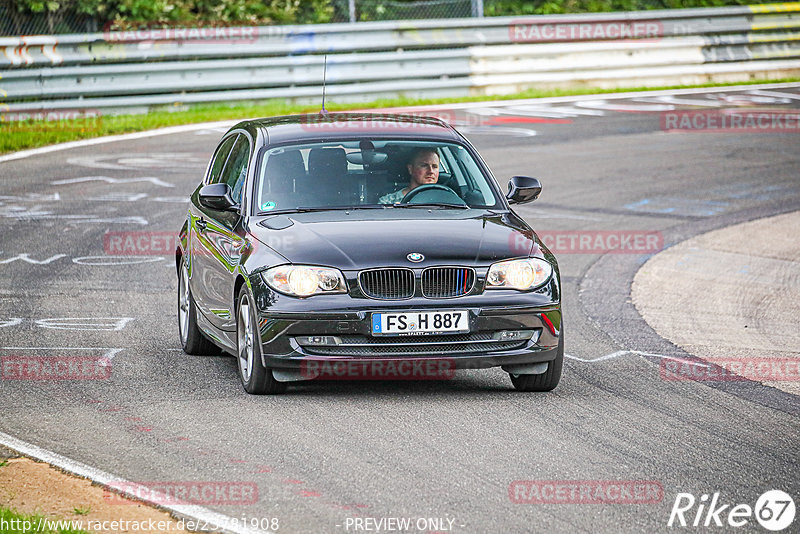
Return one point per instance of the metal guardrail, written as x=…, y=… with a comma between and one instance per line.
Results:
x=119, y=71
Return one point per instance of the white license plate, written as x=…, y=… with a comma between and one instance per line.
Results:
x=430, y=322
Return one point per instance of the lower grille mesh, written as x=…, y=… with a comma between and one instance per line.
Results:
x=415, y=345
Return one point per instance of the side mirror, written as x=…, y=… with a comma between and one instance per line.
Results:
x=522, y=189
x=217, y=197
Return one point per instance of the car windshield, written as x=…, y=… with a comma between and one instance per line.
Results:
x=371, y=174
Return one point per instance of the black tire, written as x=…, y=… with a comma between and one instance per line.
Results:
x=259, y=380
x=546, y=381
x=192, y=340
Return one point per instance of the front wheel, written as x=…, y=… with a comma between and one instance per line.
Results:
x=256, y=379
x=546, y=381
x=192, y=341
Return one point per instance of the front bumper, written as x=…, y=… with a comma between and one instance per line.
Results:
x=505, y=330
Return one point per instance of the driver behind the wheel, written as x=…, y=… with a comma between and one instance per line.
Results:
x=423, y=167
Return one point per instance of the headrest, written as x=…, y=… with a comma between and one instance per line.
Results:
x=282, y=169
x=322, y=161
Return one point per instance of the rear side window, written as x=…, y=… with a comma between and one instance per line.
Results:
x=236, y=168
x=219, y=160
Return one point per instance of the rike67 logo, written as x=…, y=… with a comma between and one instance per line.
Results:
x=774, y=510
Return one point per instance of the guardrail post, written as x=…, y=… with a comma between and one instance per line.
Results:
x=477, y=8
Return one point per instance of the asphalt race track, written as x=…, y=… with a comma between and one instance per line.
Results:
x=451, y=450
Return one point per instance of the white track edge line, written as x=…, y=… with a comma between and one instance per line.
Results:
x=602, y=96
x=112, y=138
x=466, y=105
x=199, y=514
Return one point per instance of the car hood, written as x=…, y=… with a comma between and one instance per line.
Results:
x=360, y=239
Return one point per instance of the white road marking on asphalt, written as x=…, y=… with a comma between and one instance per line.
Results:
x=211, y=131
x=33, y=197
x=600, y=359
x=612, y=106
x=88, y=260
x=137, y=160
x=13, y=321
x=108, y=356
x=115, y=260
x=109, y=324
x=105, y=359
x=553, y=111
x=544, y=213
x=27, y=258
x=776, y=94
x=176, y=200
x=18, y=212
x=496, y=130
x=744, y=99
x=670, y=99
x=119, y=197
x=94, y=219
x=114, y=138
x=140, y=492
x=605, y=96
x=34, y=213
x=620, y=353
x=110, y=180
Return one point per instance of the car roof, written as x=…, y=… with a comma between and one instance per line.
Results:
x=278, y=130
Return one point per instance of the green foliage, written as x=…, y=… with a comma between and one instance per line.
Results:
x=126, y=14
x=129, y=13
x=552, y=7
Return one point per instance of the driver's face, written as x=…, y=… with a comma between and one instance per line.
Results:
x=424, y=169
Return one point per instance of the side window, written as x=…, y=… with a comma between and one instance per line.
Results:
x=236, y=168
x=219, y=160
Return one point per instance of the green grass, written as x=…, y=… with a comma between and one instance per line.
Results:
x=32, y=134
x=12, y=522
x=81, y=510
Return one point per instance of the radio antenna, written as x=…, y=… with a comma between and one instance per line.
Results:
x=324, y=111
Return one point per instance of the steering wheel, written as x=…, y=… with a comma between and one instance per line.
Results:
x=432, y=193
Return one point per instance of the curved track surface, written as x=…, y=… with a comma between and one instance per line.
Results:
x=326, y=452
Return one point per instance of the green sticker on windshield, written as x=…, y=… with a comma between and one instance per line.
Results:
x=266, y=206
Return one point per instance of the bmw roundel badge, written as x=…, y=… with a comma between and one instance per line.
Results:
x=416, y=257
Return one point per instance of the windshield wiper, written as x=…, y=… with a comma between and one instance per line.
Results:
x=307, y=209
x=442, y=205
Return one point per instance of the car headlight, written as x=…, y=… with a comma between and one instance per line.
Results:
x=305, y=280
x=526, y=274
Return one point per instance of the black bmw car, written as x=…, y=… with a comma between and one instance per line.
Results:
x=364, y=245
